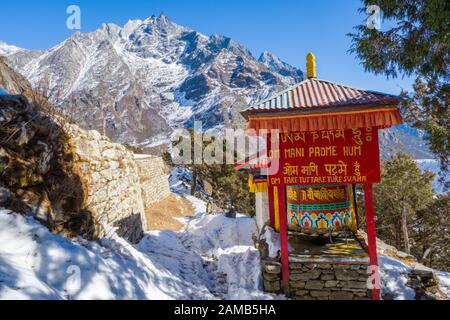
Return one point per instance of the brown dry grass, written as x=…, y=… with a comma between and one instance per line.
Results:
x=161, y=215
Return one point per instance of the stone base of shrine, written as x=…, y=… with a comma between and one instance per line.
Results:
x=321, y=271
x=309, y=281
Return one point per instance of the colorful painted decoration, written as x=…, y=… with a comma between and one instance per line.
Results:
x=257, y=184
x=320, y=208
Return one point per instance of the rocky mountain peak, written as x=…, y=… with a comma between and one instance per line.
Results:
x=271, y=61
x=269, y=57
x=161, y=24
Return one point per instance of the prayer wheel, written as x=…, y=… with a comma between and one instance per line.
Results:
x=321, y=209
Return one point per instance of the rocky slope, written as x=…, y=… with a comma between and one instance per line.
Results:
x=137, y=82
x=12, y=81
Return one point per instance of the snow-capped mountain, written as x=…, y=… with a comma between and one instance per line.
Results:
x=6, y=49
x=137, y=82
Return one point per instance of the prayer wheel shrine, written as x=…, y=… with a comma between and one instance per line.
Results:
x=321, y=141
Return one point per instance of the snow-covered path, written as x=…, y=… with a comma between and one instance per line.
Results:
x=35, y=264
x=212, y=258
x=212, y=252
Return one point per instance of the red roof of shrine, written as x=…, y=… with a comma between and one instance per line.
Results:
x=314, y=93
x=322, y=105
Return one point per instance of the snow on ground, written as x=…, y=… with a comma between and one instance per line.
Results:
x=393, y=278
x=213, y=257
x=179, y=181
x=444, y=281
x=393, y=275
x=229, y=254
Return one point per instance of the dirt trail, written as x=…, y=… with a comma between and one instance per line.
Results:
x=162, y=215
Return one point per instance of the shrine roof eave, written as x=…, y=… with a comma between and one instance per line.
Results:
x=318, y=110
x=344, y=118
x=255, y=171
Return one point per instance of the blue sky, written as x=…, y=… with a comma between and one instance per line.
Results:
x=289, y=28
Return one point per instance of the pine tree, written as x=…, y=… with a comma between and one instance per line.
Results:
x=404, y=190
x=431, y=238
x=417, y=44
x=229, y=187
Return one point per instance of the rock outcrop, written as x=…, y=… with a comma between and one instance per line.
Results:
x=137, y=82
x=36, y=166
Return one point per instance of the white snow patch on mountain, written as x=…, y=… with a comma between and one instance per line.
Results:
x=6, y=49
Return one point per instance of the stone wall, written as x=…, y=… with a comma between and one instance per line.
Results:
x=111, y=179
x=120, y=185
x=153, y=179
x=324, y=281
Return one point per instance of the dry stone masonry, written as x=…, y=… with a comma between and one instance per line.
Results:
x=324, y=281
x=111, y=180
x=153, y=180
x=120, y=184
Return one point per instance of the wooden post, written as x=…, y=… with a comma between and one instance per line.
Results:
x=271, y=206
x=283, y=239
x=372, y=241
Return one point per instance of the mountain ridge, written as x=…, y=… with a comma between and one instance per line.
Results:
x=148, y=77
x=138, y=82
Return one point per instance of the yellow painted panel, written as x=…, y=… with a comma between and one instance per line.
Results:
x=276, y=209
x=259, y=187
x=354, y=226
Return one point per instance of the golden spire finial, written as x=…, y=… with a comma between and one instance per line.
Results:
x=311, y=66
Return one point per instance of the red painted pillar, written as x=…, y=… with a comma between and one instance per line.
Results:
x=372, y=241
x=271, y=206
x=283, y=239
